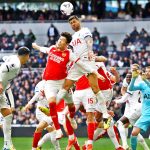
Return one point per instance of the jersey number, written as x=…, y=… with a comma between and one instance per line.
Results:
x=90, y=100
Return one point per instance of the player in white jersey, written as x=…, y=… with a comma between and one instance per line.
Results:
x=132, y=112
x=8, y=71
x=82, y=44
x=44, y=120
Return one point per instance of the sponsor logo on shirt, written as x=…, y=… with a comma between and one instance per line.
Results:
x=55, y=58
x=147, y=96
x=76, y=42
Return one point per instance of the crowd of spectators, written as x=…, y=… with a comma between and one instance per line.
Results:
x=97, y=8
x=14, y=41
x=23, y=85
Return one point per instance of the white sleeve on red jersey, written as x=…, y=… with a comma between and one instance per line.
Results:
x=46, y=49
x=100, y=65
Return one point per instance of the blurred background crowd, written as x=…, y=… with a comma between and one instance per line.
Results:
x=135, y=47
x=110, y=9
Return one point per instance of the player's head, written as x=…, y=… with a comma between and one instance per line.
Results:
x=64, y=40
x=128, y=77
x=74, y=22
x=147, y=71
x=135, y=67
x=23, y=53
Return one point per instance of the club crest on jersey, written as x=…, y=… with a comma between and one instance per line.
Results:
x=76, y=42
x=63, y=54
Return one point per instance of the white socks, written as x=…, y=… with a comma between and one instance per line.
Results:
x=142, y=142
x=51, y=137
x=7, y=131
x=112, y=136
x=97, y=133
x=122, y=132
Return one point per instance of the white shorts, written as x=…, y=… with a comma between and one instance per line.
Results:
x=85, y=97
x=76, y=72
x=108, y=95
x=133, y=115
x=61, y=117
x=4, y=103
x=42, y=117
x=52, y=87
x=1, y=119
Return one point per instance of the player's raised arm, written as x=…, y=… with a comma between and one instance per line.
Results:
x=34, y=98
x=40, y=48
x=116, y=76
x=132, y=86
x=100, y=59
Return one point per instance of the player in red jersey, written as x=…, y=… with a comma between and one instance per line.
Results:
x=107, y=90
x=82, y=44
x=55, y=73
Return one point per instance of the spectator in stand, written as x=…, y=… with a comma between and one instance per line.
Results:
x=129, y=8
x=95, y=33
x=147, y=10
x=52, y=32
x=134, y=33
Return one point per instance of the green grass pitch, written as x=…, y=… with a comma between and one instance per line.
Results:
x=22, y=143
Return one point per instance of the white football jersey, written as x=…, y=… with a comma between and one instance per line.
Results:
x=42, y=101
x=9, y=70
x=135, y=98
x=79, y=44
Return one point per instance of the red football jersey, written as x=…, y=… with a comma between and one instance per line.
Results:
x=82, y=83
x=104, y=85
x=56, y=67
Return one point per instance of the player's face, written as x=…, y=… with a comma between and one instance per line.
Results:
x=134, y=68
x=75, y=24
x=147, y=71
x=25, y=58
x=62, y=43
x=128, y=78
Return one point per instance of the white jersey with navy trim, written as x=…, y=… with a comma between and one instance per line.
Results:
x=79, y=43
x=9, y=70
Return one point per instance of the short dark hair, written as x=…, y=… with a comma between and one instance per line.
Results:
x=73, y=17
x=67, y=35
x=23, y=51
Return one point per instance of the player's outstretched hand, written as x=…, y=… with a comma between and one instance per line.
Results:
x=27, y=107
x=113, y=70
x=35, y=46
x=135, y=74
x=99, y=76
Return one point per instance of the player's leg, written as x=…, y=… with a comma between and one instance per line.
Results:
x=120, y=124
x=133, y=139
x=65, y=89
x=71, y=109
x=51, y=136
x=72, y=139
x=112, y=136
x=93, y=81
x=50, y=89
x=142, y=142
x=89, y=101
x=38, y=133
